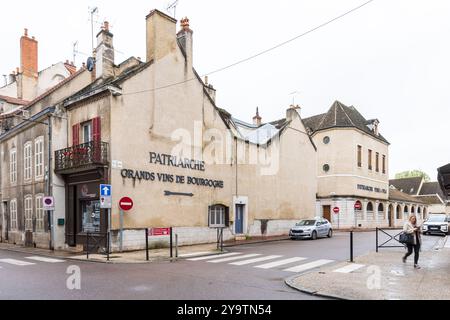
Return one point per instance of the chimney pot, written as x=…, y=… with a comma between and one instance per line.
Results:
x=25, y=32
x=106, y=26
x=257, y=120
x=185, y=23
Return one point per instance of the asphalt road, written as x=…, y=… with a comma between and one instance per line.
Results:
x=184, y=279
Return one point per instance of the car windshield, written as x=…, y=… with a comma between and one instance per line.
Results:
x=437, y=218
x=306, y=223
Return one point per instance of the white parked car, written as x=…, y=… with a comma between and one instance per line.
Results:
x=437, y=224
x=312, y=229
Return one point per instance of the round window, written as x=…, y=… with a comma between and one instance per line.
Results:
x=326, y=140
x=326, y=168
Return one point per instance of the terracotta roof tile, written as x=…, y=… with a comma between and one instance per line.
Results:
x=15, y=101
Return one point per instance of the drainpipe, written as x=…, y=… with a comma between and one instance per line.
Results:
x=49, y=190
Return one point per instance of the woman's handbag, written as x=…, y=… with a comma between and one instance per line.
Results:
x=406, y=238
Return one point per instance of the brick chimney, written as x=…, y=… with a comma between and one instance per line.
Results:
x=104, y=58
x=185, y=37
x=29, y=56
x=257, y=120
x=161, y=39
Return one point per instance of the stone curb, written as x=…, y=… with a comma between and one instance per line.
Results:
x=290, y=283
x=55, y=256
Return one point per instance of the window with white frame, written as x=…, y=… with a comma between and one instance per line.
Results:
x=13, y=214
x=28, y=208
x=39, y=213
x=27, y=159
x=13, y=165
x=39, y=157
x=217, y=216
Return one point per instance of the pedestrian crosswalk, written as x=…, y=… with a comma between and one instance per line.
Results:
x=27, y=261
x=274, y=262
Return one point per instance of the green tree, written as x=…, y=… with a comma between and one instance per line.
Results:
x=413, y=174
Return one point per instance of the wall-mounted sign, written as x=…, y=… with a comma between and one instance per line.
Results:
x=371, y=189
x=173, y=161
x=358, y=205
x=157, y=232
x=336, y=210
x=48, y=203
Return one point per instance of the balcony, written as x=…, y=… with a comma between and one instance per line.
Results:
x=83, y=157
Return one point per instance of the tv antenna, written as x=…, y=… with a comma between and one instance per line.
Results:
x=294, y=95
x=173, y=7
x=93, y=11
x=75, y=51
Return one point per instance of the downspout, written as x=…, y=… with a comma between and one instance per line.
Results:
x=49, y=188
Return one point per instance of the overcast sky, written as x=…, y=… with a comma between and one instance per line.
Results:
x=391, y=59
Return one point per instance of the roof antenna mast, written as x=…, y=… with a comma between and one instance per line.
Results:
x=173, y=7
x=92, y=12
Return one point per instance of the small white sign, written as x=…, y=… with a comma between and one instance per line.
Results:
x=105, y=202
x=48, y=203
x=116, y=164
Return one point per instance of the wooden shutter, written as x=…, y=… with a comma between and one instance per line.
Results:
x=76, y=135
x=96, y=129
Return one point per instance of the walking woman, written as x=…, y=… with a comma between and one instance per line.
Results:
x=413, y=229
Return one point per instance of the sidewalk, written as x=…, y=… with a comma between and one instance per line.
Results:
x=398, y=281
x=125, y=258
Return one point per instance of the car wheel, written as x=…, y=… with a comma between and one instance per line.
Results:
x=314, y=235
x=330, y=233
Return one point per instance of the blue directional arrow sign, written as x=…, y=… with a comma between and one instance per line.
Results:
x=105, y=196
x=105, y=190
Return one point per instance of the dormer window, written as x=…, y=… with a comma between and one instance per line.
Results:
x=373, y=126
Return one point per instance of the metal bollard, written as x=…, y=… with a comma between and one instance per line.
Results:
x=87, y=245
x=376, y=236
x=147, y=257
x=176, y=246
x=351, y=246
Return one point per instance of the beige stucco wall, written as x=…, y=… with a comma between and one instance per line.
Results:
x=344, y=174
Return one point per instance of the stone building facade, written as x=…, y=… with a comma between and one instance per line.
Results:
x=353, y=174
x=154, y=132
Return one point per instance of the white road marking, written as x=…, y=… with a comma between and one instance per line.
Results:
x=280, y=263
x=43, y=259
x=307, y=266
x=234, y=258
x=196, y=254
x=215, y=256
x=16, y=262
x=245, y=262
x=349, y=268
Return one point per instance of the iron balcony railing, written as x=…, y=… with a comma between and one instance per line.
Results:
x=91, y=154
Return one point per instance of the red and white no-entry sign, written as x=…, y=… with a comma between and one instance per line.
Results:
x=358, y=205
x=336, y=210
x=126, y=204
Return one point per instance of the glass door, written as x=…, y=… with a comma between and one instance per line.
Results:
x=90, y=215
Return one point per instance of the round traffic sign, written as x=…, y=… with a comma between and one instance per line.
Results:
x=358, y=205
x=336, y=210
x=126, y=204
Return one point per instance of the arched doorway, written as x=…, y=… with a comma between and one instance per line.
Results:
x=406, y=213
x=413, y=210
x=399, y=213
x=391, y=216
x=425, y=214
x=370, y=212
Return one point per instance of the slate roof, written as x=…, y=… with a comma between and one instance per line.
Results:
x=409, y=186
x=396, y=195
x=341, y=116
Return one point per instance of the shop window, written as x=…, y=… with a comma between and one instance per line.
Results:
x=13, y=214
x=13, y=166
x=218, y=216
x=39, y=158
x=28, y=208
x=91, y=216
x=370, y=206
x=39, y=213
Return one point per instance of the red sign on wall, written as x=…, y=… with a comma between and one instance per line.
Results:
x=336, y=210
x=358, y=205
x=126, y=204
x=157, y=232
